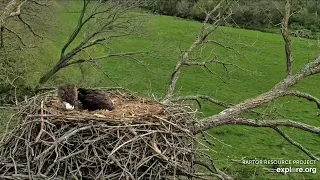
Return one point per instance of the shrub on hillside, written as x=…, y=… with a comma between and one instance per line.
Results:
x=253, y=14
x=183, y=8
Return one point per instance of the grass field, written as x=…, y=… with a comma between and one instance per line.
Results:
x=261, y=64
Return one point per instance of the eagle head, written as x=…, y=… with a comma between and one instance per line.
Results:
x=68, y=95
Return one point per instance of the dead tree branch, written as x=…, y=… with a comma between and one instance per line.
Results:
x=279, y=90
x=203, y=97
x=231, y=115
x=265, y=123
x=222, y=45
x=15, y=34
x=29, y=27
x=210, y=24
x=106, y=21
x=92, y=60
x=286, y=38
x=199, y=97
x=303, y=95
x=12, y=9
x=38, y=3
x=299, y=146
x=204, y=64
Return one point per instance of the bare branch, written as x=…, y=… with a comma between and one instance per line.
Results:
x=260, y=123
x=213, y=61
x=106, y=74
x=216, y=74
x=29, y=27
x=277, y=91
x=286, y=38
x=12, y=9
x=109, y=22
x=127, y=54
x=1, y=37
x=17, y=35
x=206, y=30
x=299, y=146
x=204, y=97
x=204, y=65
x=38, y=3
x=78, y=28
x=222, y=45
x=197, y=98
x=303, y=95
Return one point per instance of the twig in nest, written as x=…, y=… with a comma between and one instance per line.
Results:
x=78, y=145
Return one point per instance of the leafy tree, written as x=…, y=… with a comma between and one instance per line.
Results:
x=183, y=8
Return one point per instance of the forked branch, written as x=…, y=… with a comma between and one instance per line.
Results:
x=210, y=24
x=106, y=20
x=279, y=90
x=274, y=124
x=231, y=115
x=13, y=9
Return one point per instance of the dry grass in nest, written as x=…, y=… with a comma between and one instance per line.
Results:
x=140, y=139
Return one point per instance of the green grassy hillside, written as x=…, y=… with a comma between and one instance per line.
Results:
x=261, y=64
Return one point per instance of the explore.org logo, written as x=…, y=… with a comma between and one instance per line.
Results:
x=284, y=170
x=295, y=170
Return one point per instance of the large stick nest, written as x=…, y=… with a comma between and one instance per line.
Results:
x=140, y=139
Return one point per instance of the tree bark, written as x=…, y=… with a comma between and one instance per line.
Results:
x=176, y=74
x=279, y=90
x=286, y=38
x=49, y=74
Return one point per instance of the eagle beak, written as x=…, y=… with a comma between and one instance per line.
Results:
x=68, y=106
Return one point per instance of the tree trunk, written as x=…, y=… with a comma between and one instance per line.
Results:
x=48, y=75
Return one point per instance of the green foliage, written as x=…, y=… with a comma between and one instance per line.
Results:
x=257, y=14
x=252, y=14
x=183, y=8
x=167, y=7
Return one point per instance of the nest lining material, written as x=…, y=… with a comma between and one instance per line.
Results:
x=140, y=139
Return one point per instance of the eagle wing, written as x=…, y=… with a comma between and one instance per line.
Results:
x=95, y=101
x=84, y=91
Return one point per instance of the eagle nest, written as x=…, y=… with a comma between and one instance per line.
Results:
x=139, y=139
